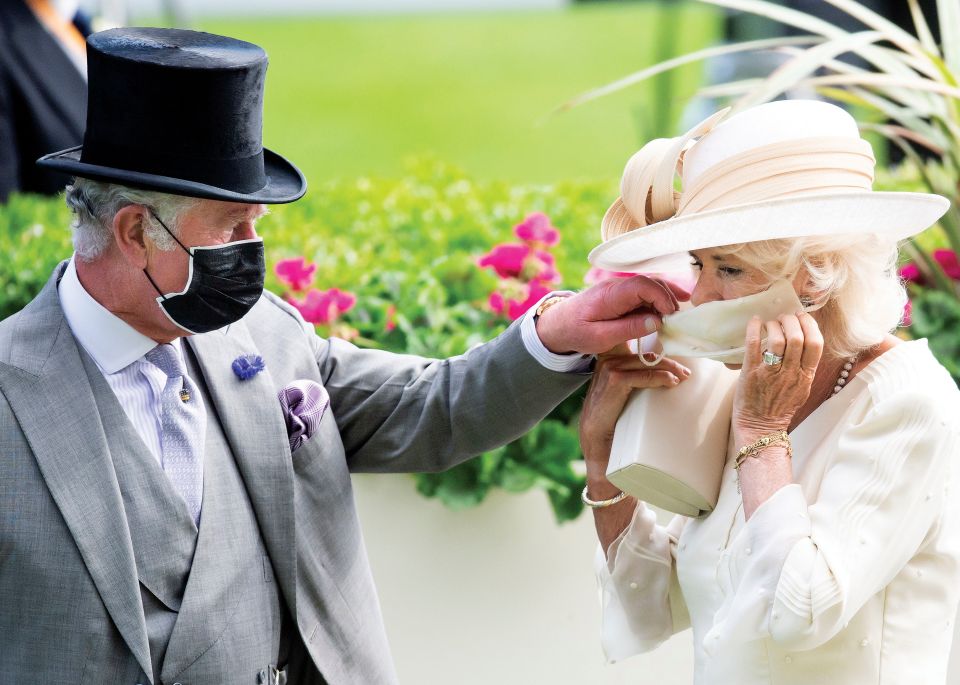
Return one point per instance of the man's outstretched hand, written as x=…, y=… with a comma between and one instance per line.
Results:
x=608, y=314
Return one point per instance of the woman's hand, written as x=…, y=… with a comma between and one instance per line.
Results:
x=767, y=397
x=617, y=374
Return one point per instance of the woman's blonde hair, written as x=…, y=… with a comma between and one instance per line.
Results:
x=852, y=280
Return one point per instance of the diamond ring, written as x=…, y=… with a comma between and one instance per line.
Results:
x=771, y=359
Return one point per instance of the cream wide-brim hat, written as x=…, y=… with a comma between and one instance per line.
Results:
x=808, y=209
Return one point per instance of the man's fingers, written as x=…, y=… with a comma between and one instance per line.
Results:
x=617, y=351
x=613, y=332
x=630, y=294
x=679, y=293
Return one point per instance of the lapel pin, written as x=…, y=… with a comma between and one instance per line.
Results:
x=246, y=366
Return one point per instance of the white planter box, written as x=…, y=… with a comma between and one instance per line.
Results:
x=497, y=594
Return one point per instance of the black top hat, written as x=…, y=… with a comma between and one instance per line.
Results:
x=180, y=112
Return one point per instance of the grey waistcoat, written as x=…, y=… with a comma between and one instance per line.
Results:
x=213, y=611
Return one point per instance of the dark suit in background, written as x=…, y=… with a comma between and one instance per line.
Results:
x=43, y=102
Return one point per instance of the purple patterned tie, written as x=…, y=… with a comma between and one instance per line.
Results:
x=183, y=424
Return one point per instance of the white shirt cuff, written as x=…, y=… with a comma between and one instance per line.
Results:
x=564, y=363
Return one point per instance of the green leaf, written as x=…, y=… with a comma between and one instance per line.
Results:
x=923, y=29
x=948, y=14
x=791, y=72
x=670, y=64
x=936, y=316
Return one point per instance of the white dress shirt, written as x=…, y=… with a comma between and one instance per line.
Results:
x=118, y=350
x=849, y=575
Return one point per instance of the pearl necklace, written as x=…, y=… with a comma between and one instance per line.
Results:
x=844, y=375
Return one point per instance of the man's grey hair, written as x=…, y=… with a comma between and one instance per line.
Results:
x=94, y=205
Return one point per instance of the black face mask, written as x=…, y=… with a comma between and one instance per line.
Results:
x=225, y=282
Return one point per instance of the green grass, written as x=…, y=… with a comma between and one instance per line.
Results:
x=357, y=96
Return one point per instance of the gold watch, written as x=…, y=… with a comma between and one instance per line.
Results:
x=546, y=304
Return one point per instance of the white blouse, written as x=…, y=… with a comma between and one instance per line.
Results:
x=849, y=575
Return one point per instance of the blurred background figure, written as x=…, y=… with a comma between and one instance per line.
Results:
x=43, y=99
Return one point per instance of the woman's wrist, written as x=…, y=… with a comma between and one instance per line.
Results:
x=599, y=488
x=746, y=433
x=771, y=454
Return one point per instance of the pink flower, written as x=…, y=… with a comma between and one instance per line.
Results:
x=516, y=301
x=391, y=322
x=324, y=306
x=496, y=302
x=907, y=317
x=911, y=273
x=536, y=228
x=542, y=267
x=535, y=291
x=947, y=259
x=296, y=273
x=513, y=260
x=506, y=259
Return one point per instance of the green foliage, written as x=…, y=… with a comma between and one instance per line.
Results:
x=34, y=235
x=936, y=316
x=410, y=244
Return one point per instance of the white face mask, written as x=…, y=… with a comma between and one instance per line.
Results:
x=715, y=330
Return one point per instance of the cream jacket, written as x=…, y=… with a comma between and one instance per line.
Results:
x=848, y=575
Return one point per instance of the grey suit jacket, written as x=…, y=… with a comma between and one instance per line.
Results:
x=68, y=583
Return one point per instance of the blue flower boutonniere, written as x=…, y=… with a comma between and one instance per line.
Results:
x=246, y=366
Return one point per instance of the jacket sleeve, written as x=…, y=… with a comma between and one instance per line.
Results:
x=403, y=413
x=640, y=597
x=800, y=570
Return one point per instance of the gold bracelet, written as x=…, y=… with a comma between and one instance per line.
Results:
x=747, y=451
x=600, y=504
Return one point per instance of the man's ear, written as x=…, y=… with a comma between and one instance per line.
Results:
x=128, y=232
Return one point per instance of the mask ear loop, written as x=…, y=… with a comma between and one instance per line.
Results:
x=159, y=292
x=642, y=356
x=145, y=273
x=160, y=221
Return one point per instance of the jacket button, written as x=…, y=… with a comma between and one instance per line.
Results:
x=788, y=660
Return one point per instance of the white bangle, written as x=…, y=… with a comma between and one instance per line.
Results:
x=600, y=504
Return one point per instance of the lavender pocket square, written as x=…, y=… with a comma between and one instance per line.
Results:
x=303, y=403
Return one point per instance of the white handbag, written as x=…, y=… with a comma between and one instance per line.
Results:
x=670, y=444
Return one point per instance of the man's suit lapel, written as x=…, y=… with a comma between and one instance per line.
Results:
x=49, y=392
x=254, y=425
